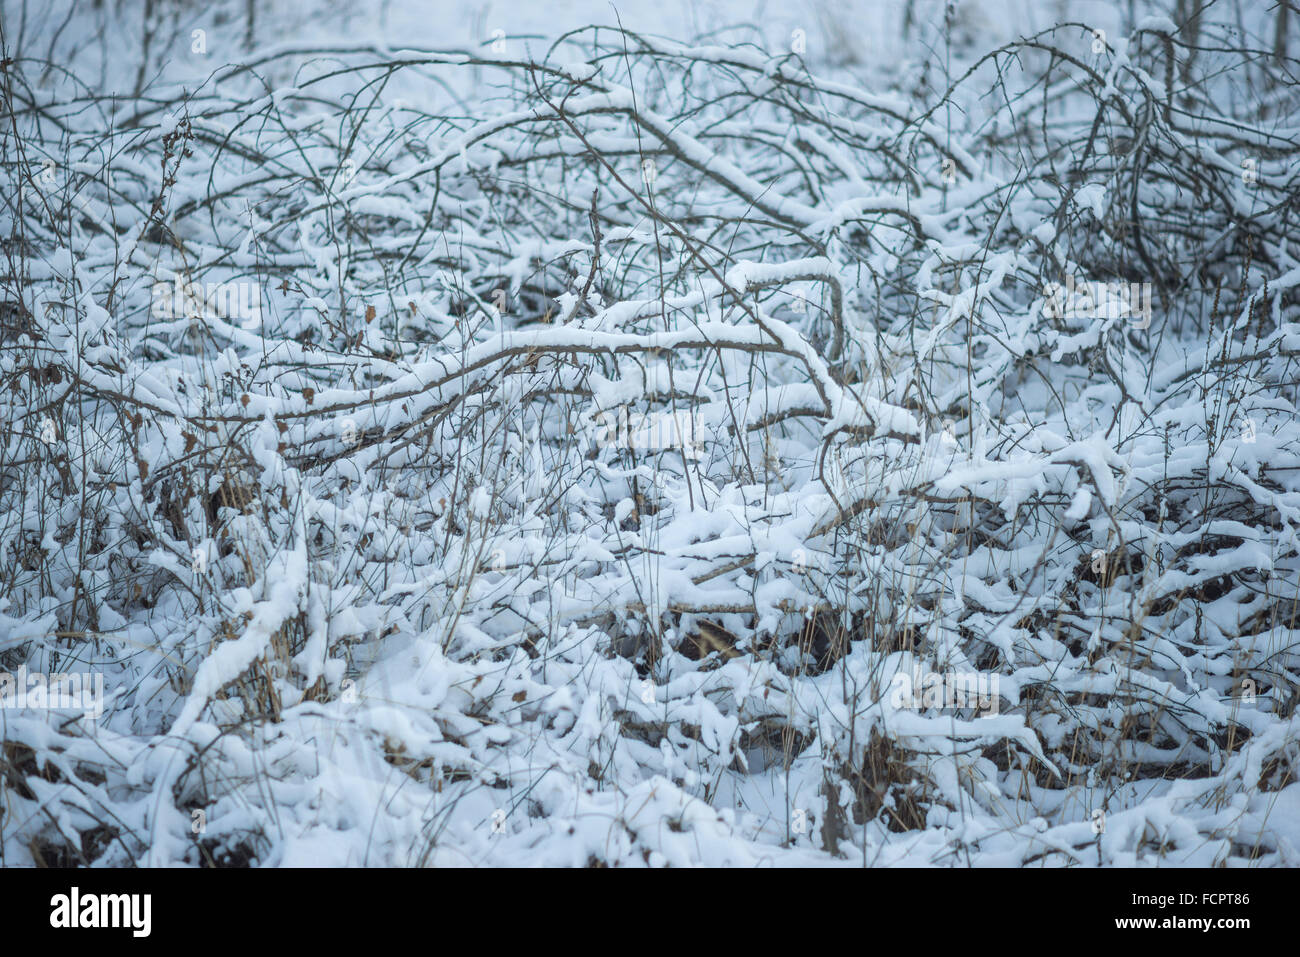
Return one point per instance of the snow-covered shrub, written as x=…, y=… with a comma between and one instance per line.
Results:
x=327, y=446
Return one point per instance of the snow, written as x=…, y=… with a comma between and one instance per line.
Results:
x=371, y=579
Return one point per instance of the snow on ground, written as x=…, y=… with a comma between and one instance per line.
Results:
x=694, y=433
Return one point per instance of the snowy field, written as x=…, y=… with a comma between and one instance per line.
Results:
x=726, y=433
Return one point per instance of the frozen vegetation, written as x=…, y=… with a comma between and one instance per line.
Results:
x=794, y=434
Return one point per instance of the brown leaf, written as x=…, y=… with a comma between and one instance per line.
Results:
x=190, y=441
x=370, y=313
x=713, y=637
x=519, y=696
x=309, y=394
